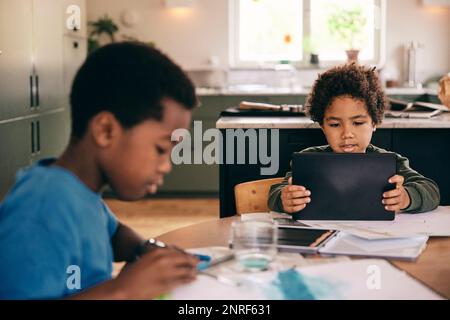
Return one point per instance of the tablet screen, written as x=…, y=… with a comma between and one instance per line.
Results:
x=303, y=237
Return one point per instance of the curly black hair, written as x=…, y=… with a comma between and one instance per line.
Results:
x=357, y=81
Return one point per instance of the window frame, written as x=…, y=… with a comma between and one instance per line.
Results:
x=235, y=63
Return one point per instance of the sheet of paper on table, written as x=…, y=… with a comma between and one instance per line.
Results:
x=435, y=223
x=356, y=279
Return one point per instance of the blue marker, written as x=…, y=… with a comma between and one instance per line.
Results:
x=204, y=261
x=203, y=257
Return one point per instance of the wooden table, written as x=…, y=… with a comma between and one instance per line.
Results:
x=432, y=267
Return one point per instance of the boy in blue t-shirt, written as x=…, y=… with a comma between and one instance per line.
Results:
x=57, y=236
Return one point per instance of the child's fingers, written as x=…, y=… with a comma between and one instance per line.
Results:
x=168, y=257
x=297, y=202
x=296, y=194
x=392, y=201
x=176, y=277
x=392, y=193
x=299, y=194
x=397, y=179
x=395, y=208
x=294, y=188
x=290, y=181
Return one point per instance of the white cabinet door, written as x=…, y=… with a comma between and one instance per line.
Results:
x=52, y=132
x=15, y=151
x=15, y=57
x=48, y=30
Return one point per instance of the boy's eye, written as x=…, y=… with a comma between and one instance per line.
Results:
x=359, y=123
x=334, y=125
x=160, y=150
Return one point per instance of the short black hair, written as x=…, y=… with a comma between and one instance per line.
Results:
x=129, y=79
x=353, y=80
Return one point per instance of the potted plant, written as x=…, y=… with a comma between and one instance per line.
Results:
x=104, y=25
x=347, y=26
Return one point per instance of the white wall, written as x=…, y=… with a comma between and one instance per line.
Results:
x=189, y=36
x=409, y=20
x=193, y=36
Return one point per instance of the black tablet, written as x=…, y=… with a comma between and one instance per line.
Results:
x=303, y=239
x=344, y=186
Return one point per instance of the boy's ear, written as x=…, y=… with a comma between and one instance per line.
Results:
x=374, y=127
x=104, y=127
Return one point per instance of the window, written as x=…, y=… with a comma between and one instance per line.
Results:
x=272, y=31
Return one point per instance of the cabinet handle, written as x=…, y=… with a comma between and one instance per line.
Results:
x=37, y=91
x=32, y=138
x=38, y=134
x=31, y=93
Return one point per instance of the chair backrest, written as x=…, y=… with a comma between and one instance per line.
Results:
x=252, y=196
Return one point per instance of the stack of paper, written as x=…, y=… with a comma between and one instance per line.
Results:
x=435, y=223
x=399, y=248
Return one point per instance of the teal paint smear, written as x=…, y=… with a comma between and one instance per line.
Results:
x=296, y=286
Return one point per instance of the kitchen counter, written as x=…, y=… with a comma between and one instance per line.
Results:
x=256, y=90
x=441, y=121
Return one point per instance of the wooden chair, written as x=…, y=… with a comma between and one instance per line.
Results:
x=252, y=196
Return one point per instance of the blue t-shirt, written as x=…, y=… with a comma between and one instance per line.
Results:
x=55, y=235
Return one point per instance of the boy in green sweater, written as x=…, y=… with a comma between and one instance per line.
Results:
x=348, y=103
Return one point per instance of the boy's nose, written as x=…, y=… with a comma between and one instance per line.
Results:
x=166, y=166
x=347, y=133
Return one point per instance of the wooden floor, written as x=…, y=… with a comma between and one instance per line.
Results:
x=153, y=217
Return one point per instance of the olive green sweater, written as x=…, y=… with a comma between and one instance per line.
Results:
x=423, y=192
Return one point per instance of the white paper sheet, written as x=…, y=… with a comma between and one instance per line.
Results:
x=435, y=223
x=357, y=279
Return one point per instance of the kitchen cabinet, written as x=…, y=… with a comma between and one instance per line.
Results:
x=428, y=153
x=38, y=60
x=48, y=29
x=15, y=58
x=27, y=140
x=53, y=133
x=31, y=62
x=15, y=151
x=194, y=178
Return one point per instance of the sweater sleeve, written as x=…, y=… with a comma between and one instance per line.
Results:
x=274, y=201
x=423, y=192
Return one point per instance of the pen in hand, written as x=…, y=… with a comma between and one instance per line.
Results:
x=205, y=260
